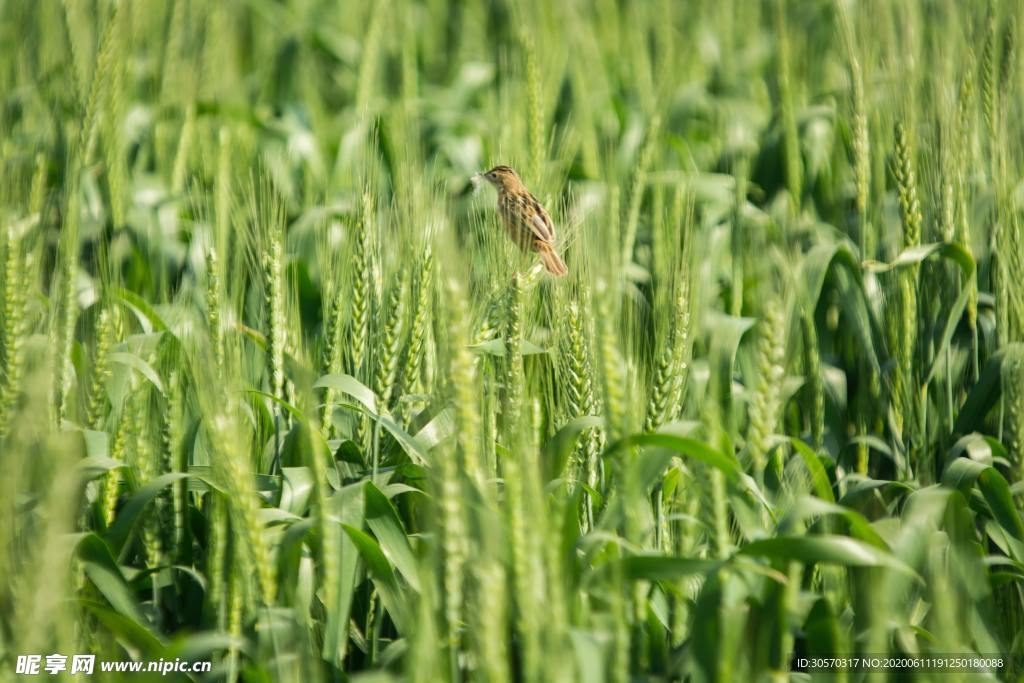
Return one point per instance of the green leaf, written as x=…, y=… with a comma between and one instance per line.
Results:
x=96, y=444
x=828, y=549
x=383, y=520
x=977, y=447
x=292, y=410
x=95, y=466
x=963, y=473
x=348, y=451
x=857, y=486
x=915, y=255
x=590, y=649
x=559, y=448
x=150, y=320
x=344, y=507
x=822, y=630
x=297, y=484
x=698, y=450
x=910, y=256
x=383, y=576
x=816, y=264
x=202, y=480
x=860, y=527
x=368, y=404
x=348, y=384
x=119, y=532
x=665, y=568
x=203, y=645
x=103, y=571
x=496, y=347
x=131, y=634
x=440, y=428
x=819, y=477
x=985, y=392
x=961, y=257
x=726, y=334
x=144, y=368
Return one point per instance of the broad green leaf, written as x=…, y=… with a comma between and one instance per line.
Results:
x=698, y=450
x=840, y=550
x=203, y=645
x=202, y=480
x=915, y=255
x=986, y=391
x=290, y=549
x=860, y=528
x=496, y=347
x=96, y=444
x=726, y=334
x=383, y=575
x=293, y=410
x=976, y=447
x=130, y=633
x=873, y=443
x=345, y=507
x=367, y=401
x=297, y=485
x=559, y=448
x=349, y=385
x=819, y=477
x=103, y=571
x=93, y=466
x=958, y=254
x=383, y=520
x=144, y=368
x=822, y=630
x=857, y=485
x=412, y=447
x=127, y=517
x=589, y=649
x=816, y=265
x=163, y=576
x=150, y=320
x=665, y=568
x=962, y=473
x=348, y=451
x=439, y=429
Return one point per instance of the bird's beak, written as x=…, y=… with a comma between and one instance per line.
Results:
x=473, y=186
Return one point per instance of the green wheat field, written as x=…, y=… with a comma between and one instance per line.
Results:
x=277, y=392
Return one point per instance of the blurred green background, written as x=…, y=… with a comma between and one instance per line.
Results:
x=277, y=391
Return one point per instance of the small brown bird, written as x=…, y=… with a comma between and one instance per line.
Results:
x=528, y=224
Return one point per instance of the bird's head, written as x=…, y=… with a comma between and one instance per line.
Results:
x=502, y=177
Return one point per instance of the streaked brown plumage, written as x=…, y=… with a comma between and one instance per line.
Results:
x=528, y=224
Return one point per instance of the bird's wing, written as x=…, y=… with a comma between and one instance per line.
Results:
x=537, y=219
x=510, y=216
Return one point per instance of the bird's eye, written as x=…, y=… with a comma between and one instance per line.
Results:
x=492, y=176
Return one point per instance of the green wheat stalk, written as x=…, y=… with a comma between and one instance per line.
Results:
x=815, y=383
x=14, y=329
x=391, y=337
x=787, y=107
x=765, y=405
x=910, y=212
x=414, y=349
x=464, y=382
x=512, y=366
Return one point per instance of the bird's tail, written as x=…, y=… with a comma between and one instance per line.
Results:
x=551, y=260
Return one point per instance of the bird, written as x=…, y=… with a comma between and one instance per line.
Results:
x=526, y=221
